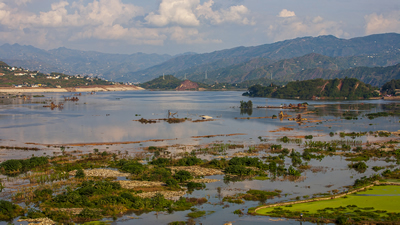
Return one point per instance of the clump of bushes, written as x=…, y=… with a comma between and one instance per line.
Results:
x=80, y=173
x=182, y=176
x=9, y=211
x=18, y=166
x=195, y=186
x=359, y=167
x=239, y=170
x=189, y=161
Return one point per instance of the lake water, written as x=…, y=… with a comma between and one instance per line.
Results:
x=109, y=118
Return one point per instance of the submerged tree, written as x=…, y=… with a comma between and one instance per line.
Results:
x=246, y=107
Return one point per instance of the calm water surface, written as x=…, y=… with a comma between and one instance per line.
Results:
x=109, y=117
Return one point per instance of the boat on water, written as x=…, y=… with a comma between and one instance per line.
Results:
x=204, y=117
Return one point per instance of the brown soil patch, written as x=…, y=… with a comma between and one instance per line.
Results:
x=323, y=86
x=199, y=121
x=187, y=85
x=196, y=170
x=355, y=88
x=167, y=194
x=39, y=221
x=218, y=135
x=314, y=121
x=281, y=129
x=241, y=154
x=102, y=173
x=340, y=85
x=204, y=180
x=133, y=184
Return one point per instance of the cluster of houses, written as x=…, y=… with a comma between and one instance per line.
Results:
x=19, y=71
x=25, y=72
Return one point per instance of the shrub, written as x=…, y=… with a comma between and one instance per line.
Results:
x=293, y=172
x=42, y=194
x=245, y=161
x=34, y=214
x=197, y=186
x=161, y=162
x=171, y=183
x=182, y=176
x=341, y=220
x=14, y=166
x=80, y=173
x=196, y=214
x=90, y=214
x=238, y=212
x=220, y=164
x=239, y=170
x=9, y=210
x=360, y=166
x=157, y=174
x=189, y=161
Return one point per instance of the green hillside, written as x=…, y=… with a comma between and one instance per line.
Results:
x=391, y=88
x=167, y=82
x=299, y=68
x=375, y=76
x=383, y=48
x=347, y=88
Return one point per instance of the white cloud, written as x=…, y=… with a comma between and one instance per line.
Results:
x=178, y=12
x=113, y=20
x=235, y=14
x=286, y=13
x=382, y=23
x=191, y=13
x=292, y=27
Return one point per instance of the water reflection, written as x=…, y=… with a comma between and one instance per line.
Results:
x=109, y=117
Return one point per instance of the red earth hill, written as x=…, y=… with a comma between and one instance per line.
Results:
x=187, y=85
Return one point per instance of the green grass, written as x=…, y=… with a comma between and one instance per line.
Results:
x=261, y=178
x=196, y=214
x=383, y=202
x=391, y=180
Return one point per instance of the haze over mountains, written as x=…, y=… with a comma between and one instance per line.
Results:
x=297, y=59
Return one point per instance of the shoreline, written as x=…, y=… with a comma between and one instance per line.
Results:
x=96, y=88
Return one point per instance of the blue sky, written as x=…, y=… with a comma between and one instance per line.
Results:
x=178, y=26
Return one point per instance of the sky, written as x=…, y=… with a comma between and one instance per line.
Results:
x=180, y=26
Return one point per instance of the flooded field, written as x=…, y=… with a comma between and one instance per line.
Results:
x=106, y=128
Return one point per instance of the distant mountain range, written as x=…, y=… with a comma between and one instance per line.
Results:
x=297, y=59
x=68, y=61
x=245, y=63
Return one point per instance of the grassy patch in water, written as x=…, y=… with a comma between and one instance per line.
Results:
x=196, y=214
x=261, y=178
x=377, y=204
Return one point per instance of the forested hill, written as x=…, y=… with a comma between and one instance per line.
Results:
x=298, y=68
x=384, y=46
x=375, y=76
x=166, y=82
x=391, y=88
x=349, y=88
